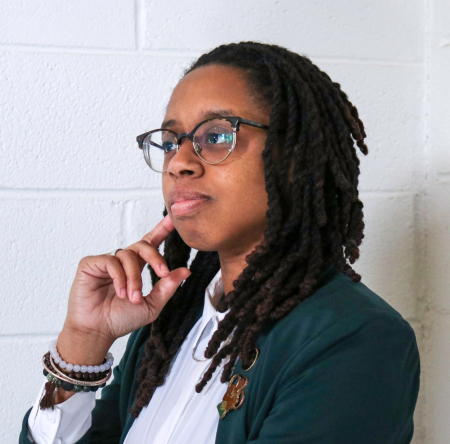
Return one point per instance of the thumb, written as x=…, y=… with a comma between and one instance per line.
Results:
x=164, y=289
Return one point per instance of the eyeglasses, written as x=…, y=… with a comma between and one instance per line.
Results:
x=213, y=139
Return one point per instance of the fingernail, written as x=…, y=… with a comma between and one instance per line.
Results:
x=137, y=295
x=123, y=293
x=165, y=268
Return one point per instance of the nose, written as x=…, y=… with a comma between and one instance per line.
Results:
x=185, y=160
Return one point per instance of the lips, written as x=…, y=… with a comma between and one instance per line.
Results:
x=183, y=201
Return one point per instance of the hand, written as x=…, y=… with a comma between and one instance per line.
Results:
x=106, y=300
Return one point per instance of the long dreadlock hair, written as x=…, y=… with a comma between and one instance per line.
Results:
x=314, y=219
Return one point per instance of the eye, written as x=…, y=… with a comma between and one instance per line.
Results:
x=218, y=137
x=213, y=138
x=168, y=146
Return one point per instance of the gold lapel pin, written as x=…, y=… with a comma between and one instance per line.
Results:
x=234, y=396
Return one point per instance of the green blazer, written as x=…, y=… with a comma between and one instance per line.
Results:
x=343, y=367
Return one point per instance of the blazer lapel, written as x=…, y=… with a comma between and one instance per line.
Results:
x=238, y=424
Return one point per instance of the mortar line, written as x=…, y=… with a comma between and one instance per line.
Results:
x=369, y=61
x=42, y=193
x=45, y=335
x=426, y=152
x=54, y=49
x=122, y=224
x=424, y=303
x=127, y=221
x=388, y=193
x=186, y=53
x=139, y=19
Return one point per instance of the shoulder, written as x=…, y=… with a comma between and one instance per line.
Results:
x=338, y=310
x=344, y=358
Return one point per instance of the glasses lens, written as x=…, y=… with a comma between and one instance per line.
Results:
x=159, y=147
x=214, y=139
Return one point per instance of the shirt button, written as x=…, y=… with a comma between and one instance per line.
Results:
x=51, y=419
x=57, y=441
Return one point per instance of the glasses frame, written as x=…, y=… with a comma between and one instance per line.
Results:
x=235, y=125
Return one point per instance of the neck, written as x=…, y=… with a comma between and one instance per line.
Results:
x=232, y=265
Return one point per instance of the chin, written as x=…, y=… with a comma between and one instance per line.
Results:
x=194, y=237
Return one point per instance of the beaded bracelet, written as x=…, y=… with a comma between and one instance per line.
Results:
x=68, y=386
x=80, y=368
x=58, y=379
x=77, y=375
x=82, y=382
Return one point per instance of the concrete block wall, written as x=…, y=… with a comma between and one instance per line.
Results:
x=79, y=81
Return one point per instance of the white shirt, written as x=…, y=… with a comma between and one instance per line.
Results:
x=176, y=414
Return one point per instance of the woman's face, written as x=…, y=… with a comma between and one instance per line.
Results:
x=233, y=217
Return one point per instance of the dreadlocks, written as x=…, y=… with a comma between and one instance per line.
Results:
x=315, y=217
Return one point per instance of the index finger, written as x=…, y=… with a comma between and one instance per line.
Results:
x=160, y=232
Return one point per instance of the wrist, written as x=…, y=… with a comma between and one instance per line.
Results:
x=81, y=347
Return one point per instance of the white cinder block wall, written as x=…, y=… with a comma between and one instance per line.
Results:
x=79, y=81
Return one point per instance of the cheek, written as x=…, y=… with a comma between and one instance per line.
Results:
x=252, y=189
x=246, y=201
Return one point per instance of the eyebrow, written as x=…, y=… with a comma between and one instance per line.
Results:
x=206, y=115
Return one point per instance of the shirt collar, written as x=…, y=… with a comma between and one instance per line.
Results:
x=213, y=291
x=212, y=295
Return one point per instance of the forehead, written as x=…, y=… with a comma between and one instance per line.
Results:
x=209, y=88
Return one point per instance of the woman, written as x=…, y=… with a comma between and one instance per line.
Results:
x=269, y=336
